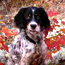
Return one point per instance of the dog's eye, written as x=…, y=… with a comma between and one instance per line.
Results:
x=37, y=17
x=28, y=16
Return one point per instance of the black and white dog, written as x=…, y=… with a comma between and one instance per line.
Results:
x=29, y=45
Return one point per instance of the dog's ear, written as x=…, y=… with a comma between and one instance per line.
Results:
x=44, y=18
x=19, y=19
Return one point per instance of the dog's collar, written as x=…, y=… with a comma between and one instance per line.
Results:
x=31, y=40
x=36, y=40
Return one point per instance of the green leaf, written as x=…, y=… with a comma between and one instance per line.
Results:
x=3, y=40
x=45, y=4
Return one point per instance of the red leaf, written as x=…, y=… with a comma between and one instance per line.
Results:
x=1, y=37
x=49, y=55
x=1, y=63
x=53, y=42
x=62, y=40
x=51, y=28
x=47, y=43
x=8, y=32
x=34, y=63
x=56, y=25
x=52, y=13
x=63, y=30
x=35, y=2
x=63, y=22
x=55, y=20
x=3, y=46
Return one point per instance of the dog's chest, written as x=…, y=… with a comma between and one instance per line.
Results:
x=28, y=48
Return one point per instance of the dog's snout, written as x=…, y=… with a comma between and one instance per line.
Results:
x=33, y=26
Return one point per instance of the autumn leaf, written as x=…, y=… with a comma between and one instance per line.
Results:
x=53, y=42
x=47, y=43
x=51, y=2
x=63, y=30
x=34, y=63
x=56, y=25
x=62, y=40
x=52, y=13
x=51, y=28
x=54, y=51
x=1, y=37
x=1, y=63
x=1, y=16
x=35, y=2
x=49, y=55
x=63, y=22
x=55, y=20
x=3, y=46
x=1, y=22
x=45, y=4
x=8, y=32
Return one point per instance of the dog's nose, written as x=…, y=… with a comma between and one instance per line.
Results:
x=33, y=26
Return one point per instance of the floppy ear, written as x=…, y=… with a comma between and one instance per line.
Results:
x=19, y=19
x=44, y=18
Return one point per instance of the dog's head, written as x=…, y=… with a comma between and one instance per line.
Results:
x=32, y=18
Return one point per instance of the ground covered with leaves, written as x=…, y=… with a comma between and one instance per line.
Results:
x=55, y=38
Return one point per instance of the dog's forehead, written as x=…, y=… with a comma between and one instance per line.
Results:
x=31, y=9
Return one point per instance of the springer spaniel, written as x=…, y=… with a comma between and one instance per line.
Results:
x=29, y=47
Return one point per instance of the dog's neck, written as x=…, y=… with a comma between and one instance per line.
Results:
x=34, y=36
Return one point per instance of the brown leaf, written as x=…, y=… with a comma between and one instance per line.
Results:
x=1, y=16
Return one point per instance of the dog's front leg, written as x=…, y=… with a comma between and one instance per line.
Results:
x=44, y=53
x=24, y=62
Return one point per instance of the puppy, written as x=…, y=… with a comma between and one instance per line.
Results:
x=29, y=47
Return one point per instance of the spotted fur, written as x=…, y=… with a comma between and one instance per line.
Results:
x=31, y=21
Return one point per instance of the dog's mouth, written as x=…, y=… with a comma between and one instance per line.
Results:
x=34, y=31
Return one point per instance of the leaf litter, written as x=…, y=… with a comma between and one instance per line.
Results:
x=55, y=39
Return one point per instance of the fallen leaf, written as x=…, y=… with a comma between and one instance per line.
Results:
x=8, y=32
x=63, y=22
x=3, y=46
x=1, y=22
x=52, y=13
x=1, y=63
x=1, y=37
x=34, y=63
x=55, y=20
x=44, y=4
x=1, y=16
x=49, y=55
x=51, y=2
x=63, y=30
x=35, y=2
x=62, y=6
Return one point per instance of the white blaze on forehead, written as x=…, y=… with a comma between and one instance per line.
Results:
x=33, y=10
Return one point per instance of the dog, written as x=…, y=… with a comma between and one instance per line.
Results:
x=28, y=46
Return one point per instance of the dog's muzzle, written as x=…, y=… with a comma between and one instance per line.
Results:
x=33, y=25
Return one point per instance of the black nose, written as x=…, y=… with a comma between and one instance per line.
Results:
x=33, y=26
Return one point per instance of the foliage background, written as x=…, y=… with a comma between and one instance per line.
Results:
x=55, y=38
